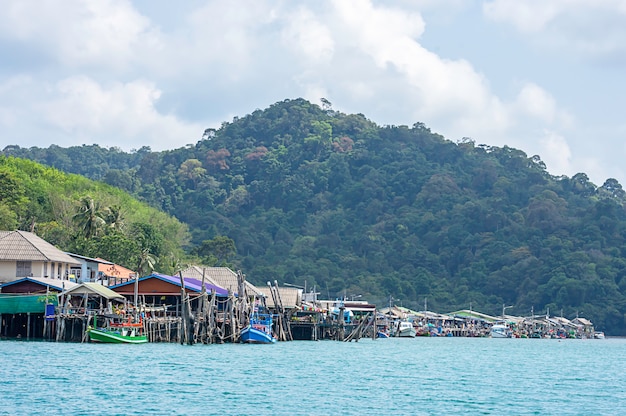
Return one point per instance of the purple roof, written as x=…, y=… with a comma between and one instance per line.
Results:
x=190, y=283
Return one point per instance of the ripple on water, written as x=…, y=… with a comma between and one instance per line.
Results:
x=393, y=376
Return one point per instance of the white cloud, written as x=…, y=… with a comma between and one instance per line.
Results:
x=595, y=28
x=78, y=33
x=128, y=74
x=556, y=153
x=120, y=112
x=536, y=102
x=438, y=89
x=526, y=15
x=306, y=36
x=79, y=110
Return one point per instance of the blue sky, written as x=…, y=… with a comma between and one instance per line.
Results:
x=543, y=76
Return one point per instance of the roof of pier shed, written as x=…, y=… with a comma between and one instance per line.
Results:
x=220, y=276
x=36, y=285
x=290, y=296
x=162, y=284
x=90, y=288
x=466, y=313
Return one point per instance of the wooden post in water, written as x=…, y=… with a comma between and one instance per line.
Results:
x=187, y=319
x=341, y=334
x=211, y=319
x=45, y=317
x=232, y=320
x=375, y=331
x=243, y=312
x=58, y=334
x=202, y=311
x=285, y=323
x=224, y=317
x=279, y=326
x=183, y=337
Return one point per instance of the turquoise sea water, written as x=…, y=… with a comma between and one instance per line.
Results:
x=422, y=376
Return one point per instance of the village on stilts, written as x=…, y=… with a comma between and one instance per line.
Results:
x=66, y=297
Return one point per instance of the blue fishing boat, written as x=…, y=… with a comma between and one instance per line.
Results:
x=259, y=331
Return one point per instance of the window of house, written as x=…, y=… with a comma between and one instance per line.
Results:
x=24, y=269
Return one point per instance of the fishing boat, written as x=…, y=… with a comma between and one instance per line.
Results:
x=382, y=334
x=118, y=333
x=259, y=331
x=405, y=329
x=500, y=331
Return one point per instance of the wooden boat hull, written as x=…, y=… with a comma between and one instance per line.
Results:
x=115, y=337
x=251, y=335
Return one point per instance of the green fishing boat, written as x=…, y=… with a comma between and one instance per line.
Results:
x=119, y=333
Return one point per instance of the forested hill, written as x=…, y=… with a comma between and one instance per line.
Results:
x=350, y=207
x=85, y=217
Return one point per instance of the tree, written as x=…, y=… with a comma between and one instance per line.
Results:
x=326, y=105
x=217, y=250
x=148, y=237
x=8, y=218
x=89, y=217
x=191, y=170
x=612, y=189
x=320, y=137
x=114, y=218
x=171, y=265
x=145, y=262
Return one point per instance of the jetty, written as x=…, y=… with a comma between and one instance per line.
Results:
x=58, y=296
x=190, y=310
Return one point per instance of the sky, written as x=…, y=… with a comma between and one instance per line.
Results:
x=543, y=76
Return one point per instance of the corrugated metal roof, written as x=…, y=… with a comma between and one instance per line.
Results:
x=291, y=297
x=115, y=270
x=91, y=259
x=220, y=276
x=190, y=283
x=25, y=246
x=582, y=321
x=56, y=284
x=95, y=289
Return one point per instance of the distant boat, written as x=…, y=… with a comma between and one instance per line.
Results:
x=118, y=333
x=405, y=329
x=500, y=331
x=598, y=335
x=382, y=334
x=259, y=331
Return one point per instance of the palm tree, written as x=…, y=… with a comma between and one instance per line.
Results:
x=114, y=217
x=89, y=217
x=146, y=263
x=172, y=265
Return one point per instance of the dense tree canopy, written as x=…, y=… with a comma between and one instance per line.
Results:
x=85, y=217
x=310, y=194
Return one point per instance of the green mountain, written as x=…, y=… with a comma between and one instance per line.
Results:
x=86, y=217
x=313, y=196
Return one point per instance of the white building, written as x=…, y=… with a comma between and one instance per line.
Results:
x=24, y=254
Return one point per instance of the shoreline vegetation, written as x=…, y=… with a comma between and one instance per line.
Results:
x=300, y=194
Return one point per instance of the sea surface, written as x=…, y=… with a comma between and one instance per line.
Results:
x=421, y=376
